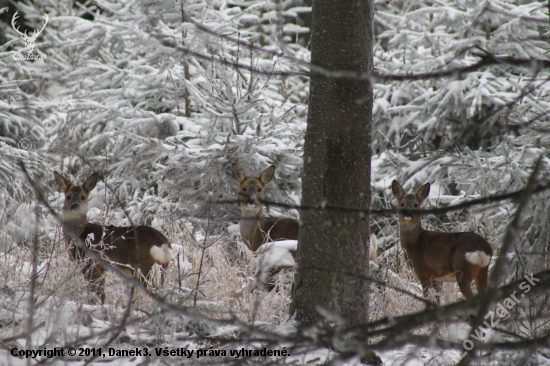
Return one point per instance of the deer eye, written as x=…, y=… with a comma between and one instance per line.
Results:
x=402, y=204
x=244, y=189
x=259, y=190
x=416, y=205
x=68, y=197
x=83, y=198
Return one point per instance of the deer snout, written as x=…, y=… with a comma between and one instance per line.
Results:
x=75, y=207
x=407, y=216
x=252, y=201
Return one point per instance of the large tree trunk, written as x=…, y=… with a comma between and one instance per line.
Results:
x=337, y=156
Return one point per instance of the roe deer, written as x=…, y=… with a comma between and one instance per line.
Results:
x=128, y=247
x=440, y=257
x=255, y=228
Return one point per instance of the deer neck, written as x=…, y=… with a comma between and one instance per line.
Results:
x=410, y=233
x=73, y=222
x=251, y=227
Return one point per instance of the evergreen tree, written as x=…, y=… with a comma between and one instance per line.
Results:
x=470, y=127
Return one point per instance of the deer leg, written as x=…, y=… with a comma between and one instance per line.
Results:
x=426, y=283
x=164, y=269
x=95, y=275
x=481, y=280
x=464, y=281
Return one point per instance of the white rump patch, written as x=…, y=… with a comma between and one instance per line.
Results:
x=478, y=257
x=162, y=254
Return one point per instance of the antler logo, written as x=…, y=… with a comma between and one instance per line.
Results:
x=29, y=40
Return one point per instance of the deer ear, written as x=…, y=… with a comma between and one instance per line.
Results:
x=423, y=192
x=90, y=183
x=397, y=190
x=62, y=182
x=238, y=173
x=267, y=174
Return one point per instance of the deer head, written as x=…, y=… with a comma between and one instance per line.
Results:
x=252, y=190
x=75, y=205
x=29, y=40
x=408, y=201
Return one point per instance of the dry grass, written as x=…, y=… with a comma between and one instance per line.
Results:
x=228, y=280
x=225, y=289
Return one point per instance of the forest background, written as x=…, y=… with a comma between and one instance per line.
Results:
x=160, y=98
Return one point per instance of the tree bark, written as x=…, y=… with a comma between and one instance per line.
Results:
x=337, y=155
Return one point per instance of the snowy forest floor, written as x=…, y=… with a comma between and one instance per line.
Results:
x=62, y=314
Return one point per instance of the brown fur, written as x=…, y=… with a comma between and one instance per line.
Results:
x=126, y=247
x=439, y=257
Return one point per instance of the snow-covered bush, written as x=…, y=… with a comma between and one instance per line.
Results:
x=161, y=108
x=471, y=134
